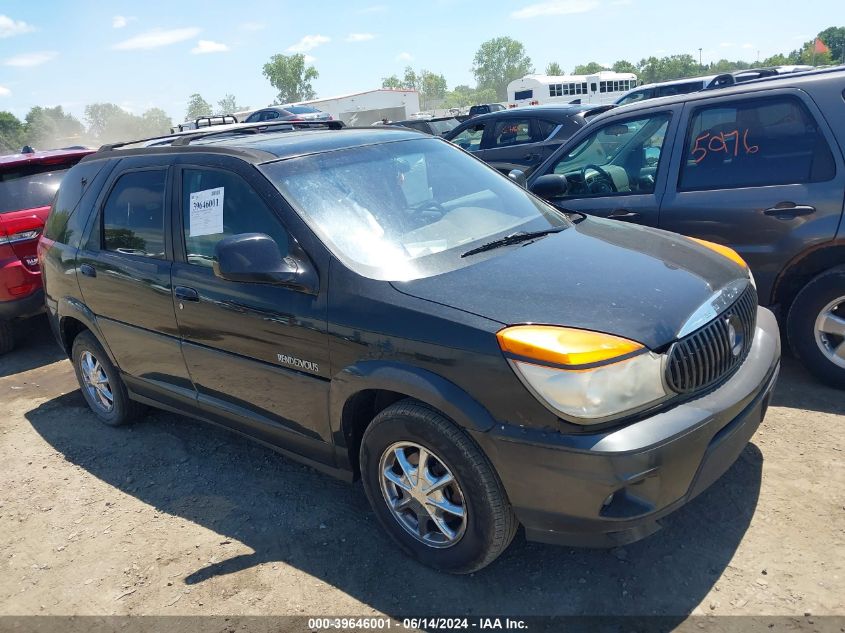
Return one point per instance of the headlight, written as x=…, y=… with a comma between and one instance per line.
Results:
x=584, y=376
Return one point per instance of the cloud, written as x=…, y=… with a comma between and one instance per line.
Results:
x=252, y=26
x=747, y=45
x=376, y=8
x=307, y=43
x=555, y=7
x=119, y=21
x=157, y=38
x=309, y=59
x=621, y=3
x=10, y=27
x=727, y=44
x=209, y=46
x=359, y=37
x=28, y=60
x=4, y=91
x=404, y=57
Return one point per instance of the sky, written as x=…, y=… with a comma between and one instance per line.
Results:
x=157, y=53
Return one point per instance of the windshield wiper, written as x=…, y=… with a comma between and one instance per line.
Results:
x=513, y=238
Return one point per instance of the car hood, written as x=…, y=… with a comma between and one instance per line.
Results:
x=604, y=275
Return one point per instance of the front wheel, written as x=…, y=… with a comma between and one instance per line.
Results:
x=816, y=327
x=433, y=490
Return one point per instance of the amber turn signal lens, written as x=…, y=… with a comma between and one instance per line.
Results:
x=727, y=251
x=563, y=346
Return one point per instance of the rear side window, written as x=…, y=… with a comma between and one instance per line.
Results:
x=75, y=183
x=754, y=143
x=218, y=204
x=511, y=132
x=545, y=129
x=30, y=186
x=470, y=137
x=133, y=216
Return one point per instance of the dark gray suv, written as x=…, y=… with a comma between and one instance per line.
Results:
x=757, y=166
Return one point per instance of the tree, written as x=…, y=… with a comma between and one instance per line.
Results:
x=291, y=77
x=432, y=87
x=229, y=104
x=197, y=107
x=623, y=66
x=155, y=121
x=834, y=38
x=52, y=127
x=462, y=96
x=655, y=69
x=588, y=69
x=391, y=82
x=11, y=133
x=498, y=62
x=554, y=69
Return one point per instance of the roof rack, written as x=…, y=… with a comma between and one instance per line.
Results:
x=241, y=128
x=726, y=80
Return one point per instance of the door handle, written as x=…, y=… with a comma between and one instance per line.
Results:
x=88, y=270
x=184, y=293
x=789, y=210
x=624, y=214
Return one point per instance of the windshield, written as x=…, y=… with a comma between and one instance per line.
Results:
x=441, y=127
x=29, y=186
x=302, y=109
x=406, y=209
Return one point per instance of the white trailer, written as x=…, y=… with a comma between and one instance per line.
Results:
x=599, y=88
x=365, y=108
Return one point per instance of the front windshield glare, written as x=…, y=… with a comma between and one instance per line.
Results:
x=406, y=209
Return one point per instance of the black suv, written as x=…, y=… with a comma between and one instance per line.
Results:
x=520, y=138
x=378, y=303
x=758, y=166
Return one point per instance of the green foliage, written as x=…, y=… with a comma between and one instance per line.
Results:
x=229, y=104
x=655, y=69
x=11, y=133
x=463, y=96
x=834, y=38
x=588, y=69
x=498, y=62
x=197, y=107
x=52, y=127
x=623, y=66
x=554, y=69
x=291, y=77
x=432, y=87
x=391, y=82
x=108, y=123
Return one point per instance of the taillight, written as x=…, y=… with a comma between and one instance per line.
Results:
x=20, y=228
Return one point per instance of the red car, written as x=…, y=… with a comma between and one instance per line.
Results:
x=28, y=183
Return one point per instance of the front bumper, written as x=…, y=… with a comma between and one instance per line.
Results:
x=611, y=487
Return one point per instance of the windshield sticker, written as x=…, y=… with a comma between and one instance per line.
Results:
x=207, y=212
x=418, y=249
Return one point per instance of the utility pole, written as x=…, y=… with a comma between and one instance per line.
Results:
x=699, y=57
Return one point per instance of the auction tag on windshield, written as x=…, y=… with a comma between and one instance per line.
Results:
x=207, y=212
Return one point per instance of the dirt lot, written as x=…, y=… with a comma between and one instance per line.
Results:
x=171, y=516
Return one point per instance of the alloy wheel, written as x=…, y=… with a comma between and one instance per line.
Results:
x=422, y=494
x=96, y=382
x=830, y=331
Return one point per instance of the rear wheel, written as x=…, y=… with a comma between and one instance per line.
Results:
x=816, y=327
x=101, y=383
x=7, y=337
x=433, y=490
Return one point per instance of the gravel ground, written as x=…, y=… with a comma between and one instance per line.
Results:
x=171, y=516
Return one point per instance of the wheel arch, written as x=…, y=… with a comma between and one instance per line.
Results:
x=802, y=269
x=362, y=391
x=74, y=317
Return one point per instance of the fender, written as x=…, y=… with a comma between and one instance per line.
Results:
x=414, y=382
x=75, y=309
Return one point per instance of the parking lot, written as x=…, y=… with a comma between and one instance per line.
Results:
x=171, y=516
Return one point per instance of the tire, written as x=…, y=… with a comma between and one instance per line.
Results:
x=92, y=364
x=488, y=524
x=819, y=343
x=7, y=337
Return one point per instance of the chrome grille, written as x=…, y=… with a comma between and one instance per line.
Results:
x=713, y=352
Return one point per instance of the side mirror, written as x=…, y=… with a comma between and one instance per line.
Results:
x=518, y=176
x=550, y=186
x=255, y=257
